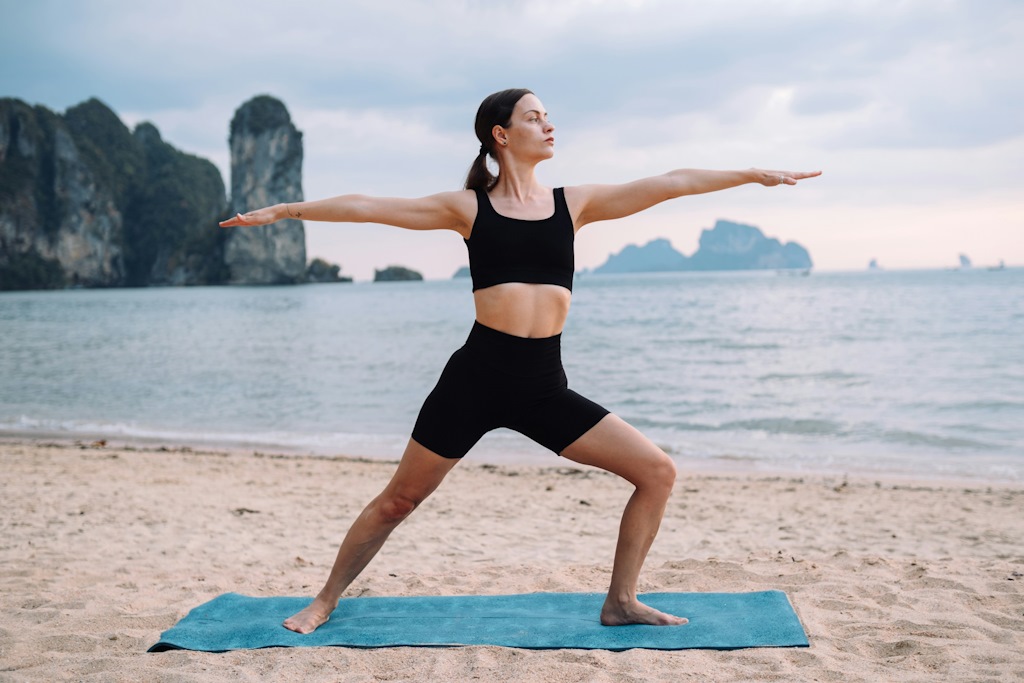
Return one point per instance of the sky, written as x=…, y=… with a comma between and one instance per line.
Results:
x=913, y=110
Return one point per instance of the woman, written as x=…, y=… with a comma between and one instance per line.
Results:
x=509, y=373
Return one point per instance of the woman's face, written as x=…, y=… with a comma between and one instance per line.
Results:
x=529, y=135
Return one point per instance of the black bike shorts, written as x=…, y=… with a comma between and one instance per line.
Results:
x=501, y=380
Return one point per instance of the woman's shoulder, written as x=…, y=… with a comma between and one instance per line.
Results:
x=575, y=198
x=462, y=206
x=458, y=201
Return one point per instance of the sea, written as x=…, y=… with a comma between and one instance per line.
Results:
x=905, y=373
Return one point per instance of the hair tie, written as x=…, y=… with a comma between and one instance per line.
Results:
x=483, y=151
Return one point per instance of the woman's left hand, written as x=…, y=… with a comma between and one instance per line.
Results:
x=265, y=216
x=773, y=178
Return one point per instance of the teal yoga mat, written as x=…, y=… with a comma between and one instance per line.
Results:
x=719, y=621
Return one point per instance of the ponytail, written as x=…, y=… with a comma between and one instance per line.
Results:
x=479, y=176
x=495, y=110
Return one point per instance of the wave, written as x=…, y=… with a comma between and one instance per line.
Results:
x=785, y=425
x=842, y=378
x=900, y=436
x=775, y=425
x=741, y=346
x=831, y=430
x=313, y=443
x=981, y=405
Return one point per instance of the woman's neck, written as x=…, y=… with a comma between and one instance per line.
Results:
x=518, y=182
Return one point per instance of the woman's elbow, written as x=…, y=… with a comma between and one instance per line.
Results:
x=357, y=208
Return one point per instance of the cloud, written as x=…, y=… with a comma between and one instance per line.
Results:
x=899, y=102
x=928, y=70
x=824, y=99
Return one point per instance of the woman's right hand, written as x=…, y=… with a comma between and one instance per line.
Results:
x=258, y=217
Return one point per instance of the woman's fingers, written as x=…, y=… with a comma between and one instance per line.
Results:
x=773, y=178
x=233, y=222
x=258, y=217
x=790, y=177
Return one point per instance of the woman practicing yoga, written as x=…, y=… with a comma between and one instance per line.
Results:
x=509, y=372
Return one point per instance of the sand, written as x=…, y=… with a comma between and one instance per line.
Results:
x=103, y=548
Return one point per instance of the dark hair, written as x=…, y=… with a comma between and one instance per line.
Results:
x=495, y=110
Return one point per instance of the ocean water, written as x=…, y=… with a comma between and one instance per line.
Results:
x=915, y=373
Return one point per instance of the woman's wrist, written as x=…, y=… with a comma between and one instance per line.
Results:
x=292, y=211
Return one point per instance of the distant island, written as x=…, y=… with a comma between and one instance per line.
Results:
x=320, y=270
x=396, y=274
x=726, y=246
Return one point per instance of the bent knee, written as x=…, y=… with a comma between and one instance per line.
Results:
x=660, y=475
x=396, y=507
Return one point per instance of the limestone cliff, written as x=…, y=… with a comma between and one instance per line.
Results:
x=59, y=221
x=171, y=232
x=266, y=169
x=85, y=202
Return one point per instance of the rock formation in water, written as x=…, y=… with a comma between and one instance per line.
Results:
x=171, y=231
x=395, y=273
x=320, y=270
x=266, y=169
x=61, y=215
x=657, y=255
x=85, y=202
x=727, y=246
x=734, y=246
x=463, y=271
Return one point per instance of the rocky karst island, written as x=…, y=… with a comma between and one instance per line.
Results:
x=726, y=246
x=86, y=202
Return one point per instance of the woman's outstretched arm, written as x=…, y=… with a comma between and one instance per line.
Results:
x=446, y=210
x=593, y=203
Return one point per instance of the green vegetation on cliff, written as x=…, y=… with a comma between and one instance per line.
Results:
x=28, y=170
x=85, y=180
x=108, y=148
x=260, y=114
x=171, y=217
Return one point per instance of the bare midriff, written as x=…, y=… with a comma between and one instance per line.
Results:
x=523, y=309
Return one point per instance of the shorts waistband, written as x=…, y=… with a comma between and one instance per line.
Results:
x=528, y=355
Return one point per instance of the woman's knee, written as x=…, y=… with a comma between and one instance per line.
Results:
x=660, y=474
x=393, y=507
x=654, y=470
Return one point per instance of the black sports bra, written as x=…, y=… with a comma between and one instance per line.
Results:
x=503, y=249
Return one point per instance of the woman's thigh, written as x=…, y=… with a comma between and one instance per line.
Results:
x=419, y=473
x=618, y=447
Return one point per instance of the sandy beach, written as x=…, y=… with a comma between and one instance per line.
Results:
x=106, y=546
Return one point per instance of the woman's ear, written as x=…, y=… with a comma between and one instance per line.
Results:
x=499, y=135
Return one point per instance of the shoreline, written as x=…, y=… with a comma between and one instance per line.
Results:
x=106, y=547
x=725, y=466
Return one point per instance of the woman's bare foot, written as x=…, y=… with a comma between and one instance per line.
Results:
x=635, y=612
x=311, y=618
